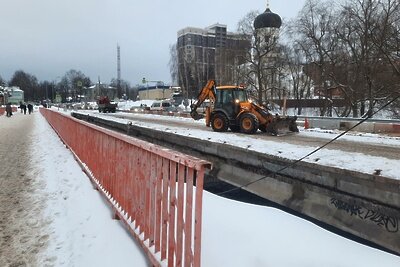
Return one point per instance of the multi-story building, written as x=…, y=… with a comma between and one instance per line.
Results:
x=210, y=53
x=13, y=95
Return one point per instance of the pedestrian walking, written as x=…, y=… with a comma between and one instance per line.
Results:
x=8, y=110
x=30, y=108
x=24, y=108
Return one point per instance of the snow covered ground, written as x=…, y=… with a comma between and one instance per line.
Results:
x=234, y=233
x=82, y=230
x=327, y=156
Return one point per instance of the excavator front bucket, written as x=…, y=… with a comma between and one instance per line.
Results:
x=195, y=115
x=282, y=125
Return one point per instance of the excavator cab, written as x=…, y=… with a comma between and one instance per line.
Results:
x=228, y=100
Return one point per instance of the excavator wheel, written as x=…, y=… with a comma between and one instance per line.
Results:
x=219, y=122
x=248, y=123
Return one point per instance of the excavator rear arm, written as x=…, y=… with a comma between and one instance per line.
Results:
x=206, y=93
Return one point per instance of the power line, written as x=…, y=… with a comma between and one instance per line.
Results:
x=312, y=152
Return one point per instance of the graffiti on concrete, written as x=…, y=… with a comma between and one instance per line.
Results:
x=391, y=224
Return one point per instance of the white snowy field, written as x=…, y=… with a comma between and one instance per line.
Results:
x=234, y=233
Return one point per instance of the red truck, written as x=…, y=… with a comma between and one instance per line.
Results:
x=104, y=104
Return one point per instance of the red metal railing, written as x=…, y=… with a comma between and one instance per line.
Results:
x=155, y=191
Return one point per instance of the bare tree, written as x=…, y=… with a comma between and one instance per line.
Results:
x=262, y=59
x=123, y=84
x=387, y=40
x=27, y=82
x=314, y=34
x=299, y=82
x=386, y=36
x=186, y=70
x=2, y=81
x=173, y=63
x=366, y=66
x=45, y=90
x=72, y=84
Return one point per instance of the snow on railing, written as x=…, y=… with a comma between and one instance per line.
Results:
x=155, y=191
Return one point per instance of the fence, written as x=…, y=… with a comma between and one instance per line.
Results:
x=155, y=191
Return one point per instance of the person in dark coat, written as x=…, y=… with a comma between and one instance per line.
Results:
x=24, y=108
x=9, y=110
x=30, y=108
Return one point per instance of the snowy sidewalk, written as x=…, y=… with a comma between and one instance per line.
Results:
x=80, y=231
x=64, y=221
x=22, y=233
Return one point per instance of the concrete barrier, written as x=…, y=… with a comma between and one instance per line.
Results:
x=396, y=128
x=366, y=127
x=324, y=124
x=344, y=125
x=383, y=128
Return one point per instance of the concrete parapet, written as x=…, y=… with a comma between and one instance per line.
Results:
x=366, y=127
x=383, y=128
x=396, y=128
x=324, y=124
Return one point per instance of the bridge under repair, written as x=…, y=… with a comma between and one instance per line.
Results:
x=366, y=206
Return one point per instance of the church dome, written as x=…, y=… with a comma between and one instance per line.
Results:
x=268, y=19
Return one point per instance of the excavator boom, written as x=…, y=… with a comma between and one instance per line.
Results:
x=206, y=93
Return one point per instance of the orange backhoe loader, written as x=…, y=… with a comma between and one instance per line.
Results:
x=230, y=108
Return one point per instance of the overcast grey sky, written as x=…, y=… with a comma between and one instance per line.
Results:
x=46, y=38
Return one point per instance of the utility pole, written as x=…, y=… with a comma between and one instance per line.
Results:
x=119, y=71
x=99, y=87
